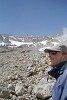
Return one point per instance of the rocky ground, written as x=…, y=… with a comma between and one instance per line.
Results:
x=23, y=74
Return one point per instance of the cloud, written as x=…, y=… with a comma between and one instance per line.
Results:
x=65, y=31
x=63, y=35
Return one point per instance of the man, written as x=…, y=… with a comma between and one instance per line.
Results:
x=58, y=60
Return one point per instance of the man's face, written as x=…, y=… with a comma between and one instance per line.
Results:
x=55, y=58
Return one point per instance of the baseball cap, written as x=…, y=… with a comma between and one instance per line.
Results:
x=57, y=48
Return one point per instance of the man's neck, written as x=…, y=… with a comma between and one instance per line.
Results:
x=55, y=71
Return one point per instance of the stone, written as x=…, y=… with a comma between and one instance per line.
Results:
x=43, y=88
x=4, y=94
x=19, y=89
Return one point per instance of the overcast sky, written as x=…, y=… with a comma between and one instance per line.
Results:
x=33, y=17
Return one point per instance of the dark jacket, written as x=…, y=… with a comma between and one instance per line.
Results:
x=59, y=72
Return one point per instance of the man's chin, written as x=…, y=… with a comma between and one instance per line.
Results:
x=50, y=64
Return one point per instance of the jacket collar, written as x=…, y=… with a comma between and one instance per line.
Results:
x=57, y=70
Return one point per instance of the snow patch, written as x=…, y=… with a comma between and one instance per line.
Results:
x=44, y=42
x=17, y=43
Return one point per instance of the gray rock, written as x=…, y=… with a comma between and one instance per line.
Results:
x=11, y=87
x=43, y=88
x=19, y=89
x=4, y=93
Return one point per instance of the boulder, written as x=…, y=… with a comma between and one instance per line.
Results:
x=43, y=88
x=19, y=88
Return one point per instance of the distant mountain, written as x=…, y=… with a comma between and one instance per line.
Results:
x=36, y=41
x=13, y=41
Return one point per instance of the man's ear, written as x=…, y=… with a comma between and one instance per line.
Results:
x=65, y=56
